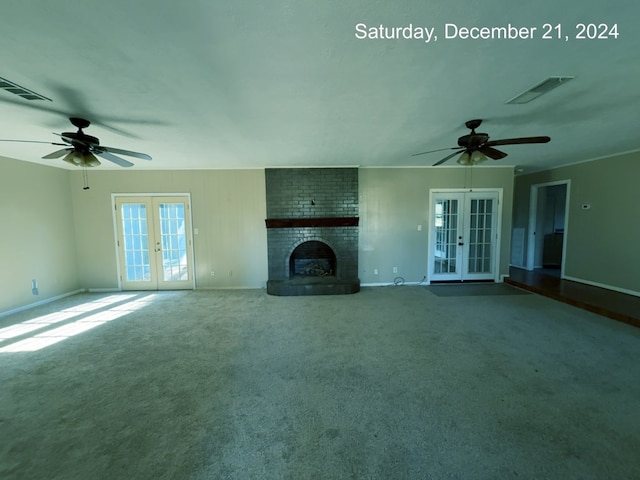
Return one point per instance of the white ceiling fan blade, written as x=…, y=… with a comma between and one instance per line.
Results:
x=30, y=141
x=66, y=139
x=433, y=151
x=142, y=156
x=112, y=158
x=59, y=153
x=448, y=157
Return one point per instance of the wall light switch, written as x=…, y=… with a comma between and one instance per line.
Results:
x=195, y=231
x=419, y=228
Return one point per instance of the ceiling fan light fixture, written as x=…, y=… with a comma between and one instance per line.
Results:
x=74, y=158
x=90, y=160
x=539, y=89
x=80, y=159
x=477, y=157
x=464, y=159
x=474, y=158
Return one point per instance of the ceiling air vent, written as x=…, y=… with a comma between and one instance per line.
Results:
x=539, y=89
x=20, y=91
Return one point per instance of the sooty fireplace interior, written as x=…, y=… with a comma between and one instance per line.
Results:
x=312, y=231
x=312, y=259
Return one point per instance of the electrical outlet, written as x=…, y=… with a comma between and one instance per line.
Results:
x=395, y=269
x=213, y=274
x=375, y=271
x=419, y=228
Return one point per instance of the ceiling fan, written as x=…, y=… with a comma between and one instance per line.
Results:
x=82, y=149
x=476, y=147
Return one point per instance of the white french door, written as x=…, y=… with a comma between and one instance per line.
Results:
x=464, y=236
x=153, y=242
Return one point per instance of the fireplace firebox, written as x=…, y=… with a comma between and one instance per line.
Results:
x=312, y=259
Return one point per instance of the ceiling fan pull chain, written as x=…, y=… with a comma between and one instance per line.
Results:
x=85, y=178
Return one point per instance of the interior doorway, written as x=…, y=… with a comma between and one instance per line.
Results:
x=548, y=220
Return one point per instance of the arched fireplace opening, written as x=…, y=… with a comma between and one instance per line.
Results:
x=312, y=259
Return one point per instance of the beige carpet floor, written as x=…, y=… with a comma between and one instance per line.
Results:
x=389, y=383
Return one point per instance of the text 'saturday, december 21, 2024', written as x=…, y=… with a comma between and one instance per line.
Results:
x=452, y=31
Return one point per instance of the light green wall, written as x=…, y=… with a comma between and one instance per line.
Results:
x=602, y=242
x=394, y=201
x=37, y=233
x=66, y=234
x=228, y=209
x=63, y=236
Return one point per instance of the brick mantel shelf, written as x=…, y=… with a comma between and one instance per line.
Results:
x=312, y=222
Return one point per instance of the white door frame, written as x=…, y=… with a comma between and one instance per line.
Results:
x=431, y=243
x=533, y=219
x=189, y=233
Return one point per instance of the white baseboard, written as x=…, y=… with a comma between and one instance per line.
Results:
x=118, y=290
x=41, y=302
x=231, y=288
x=382, y=284
x=423, y=283
x=602, y=285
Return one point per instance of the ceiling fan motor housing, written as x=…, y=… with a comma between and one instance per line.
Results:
x=473, y=140
x=473, y=124
x=79, y=122
x=80, y=139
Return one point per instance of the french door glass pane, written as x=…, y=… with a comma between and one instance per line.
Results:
x=480, y=236
x=446, y=228
x=173, y=240
x=136, y=242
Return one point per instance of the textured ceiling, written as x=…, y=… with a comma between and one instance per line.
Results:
x=245, y=84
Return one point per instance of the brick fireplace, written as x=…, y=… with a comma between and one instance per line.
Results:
x=312, y=231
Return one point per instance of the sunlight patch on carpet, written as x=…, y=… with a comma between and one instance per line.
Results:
x=125, y=305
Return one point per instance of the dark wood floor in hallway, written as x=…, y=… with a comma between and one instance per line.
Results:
x=612, y=304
